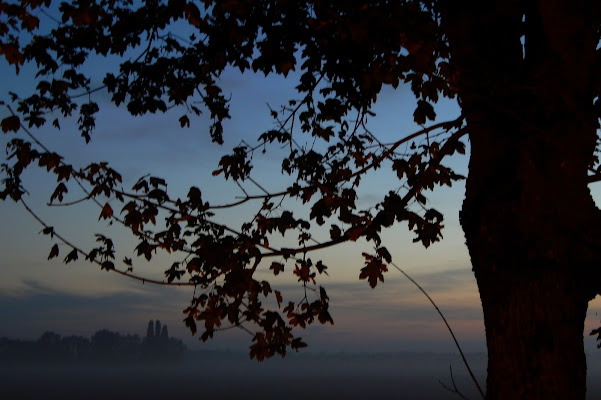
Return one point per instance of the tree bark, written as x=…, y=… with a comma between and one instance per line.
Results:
x=531, y=225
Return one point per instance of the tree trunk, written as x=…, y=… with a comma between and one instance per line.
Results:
x=534, y=332
x=531, y=226
x=528, y=232
x=536, y=272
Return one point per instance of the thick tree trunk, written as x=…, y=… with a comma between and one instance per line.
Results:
x=536, y=273
x=527, y=230
x=531, y=226
x=534, y=332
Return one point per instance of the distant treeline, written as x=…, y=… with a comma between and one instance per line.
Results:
x=103, y=346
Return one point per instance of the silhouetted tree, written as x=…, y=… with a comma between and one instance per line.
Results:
x=77, y=347
x=150, y=329
x=104, y=345
x=49, y=347
x=525, y=74
x=157, y=329
x=175, y=348
x=112, y=346
x=49, y=338
x=18, y=351
x=159, y=346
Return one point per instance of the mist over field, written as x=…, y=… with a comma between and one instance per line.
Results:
x=226, y=375
x=232, y=375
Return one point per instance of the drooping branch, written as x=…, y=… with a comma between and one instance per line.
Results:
x=107, y=265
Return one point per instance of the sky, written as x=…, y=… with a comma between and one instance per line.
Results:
x=37, y=295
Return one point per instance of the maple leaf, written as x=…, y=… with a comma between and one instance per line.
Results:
x=49, y=230
x=58, y=192
x=297, y=343
x=265, y=288
x=304, y=273
x=321, y=268
x=323, y=295
x=260, y=349
x=324, y=316
x=12, y=123
x=191, y=324
x=285, y=66
x=355, y=233
x=12, y=54
x=335, y=232
x=72, y=256
x=108, y=265
x=29, y=22
x=385, y=254
x=174, y=272
x=63, y=172
x=53, y=252
x=194, y=265
x=184, y=121
x=107, y=212
x=373, y=270
x=49, y=160
x=276, y=267
x=92, y=255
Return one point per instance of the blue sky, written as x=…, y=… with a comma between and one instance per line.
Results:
x=38, y=295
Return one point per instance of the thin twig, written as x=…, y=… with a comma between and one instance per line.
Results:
x=448, y=328
x=454, y=389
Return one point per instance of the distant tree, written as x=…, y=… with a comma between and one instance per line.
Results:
x=49, y=347
x=112, y=346
x=150, y=329
x=107, y=345
x=526, y=75
x=175, y=348
x=104, y=345
x=104, y=339
x=157, y=329
x=49, y=339
x=158, y=346
x=77, y=347
x=17, y=351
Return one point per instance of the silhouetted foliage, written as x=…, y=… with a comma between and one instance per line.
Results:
x=104, y=346
x=525, y=74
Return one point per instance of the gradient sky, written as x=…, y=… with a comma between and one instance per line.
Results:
x=38, y=295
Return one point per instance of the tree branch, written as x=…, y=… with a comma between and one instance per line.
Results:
x=83, y=253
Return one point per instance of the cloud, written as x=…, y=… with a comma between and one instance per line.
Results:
x=397, y=300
